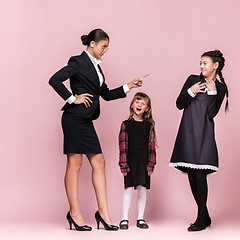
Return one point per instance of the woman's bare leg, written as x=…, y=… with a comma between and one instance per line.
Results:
x=74, y=163
x=99, y=183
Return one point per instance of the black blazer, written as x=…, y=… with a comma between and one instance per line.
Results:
x=213, y=101
x=83, y=79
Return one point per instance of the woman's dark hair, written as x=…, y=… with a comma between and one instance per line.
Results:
x=95, y=35
x=217, y=56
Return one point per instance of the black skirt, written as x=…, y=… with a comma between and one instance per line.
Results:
x=79, y=135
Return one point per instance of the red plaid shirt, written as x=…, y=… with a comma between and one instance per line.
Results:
x=123, y=148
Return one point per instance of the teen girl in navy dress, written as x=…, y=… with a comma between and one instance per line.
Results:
x=195, y=150
x=137, y=140
x=87, y=84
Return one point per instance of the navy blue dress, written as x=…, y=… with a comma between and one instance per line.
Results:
x=195, y=146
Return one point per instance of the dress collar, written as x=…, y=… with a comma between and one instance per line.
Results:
x=132, y=119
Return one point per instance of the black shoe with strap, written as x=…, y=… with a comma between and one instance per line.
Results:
x=123, y=224
x=142, y=224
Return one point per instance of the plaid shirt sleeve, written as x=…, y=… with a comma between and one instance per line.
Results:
x=123, y=149
x=151, y=153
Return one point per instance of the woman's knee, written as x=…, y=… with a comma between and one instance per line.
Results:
x=74, y=161
x=97, y=161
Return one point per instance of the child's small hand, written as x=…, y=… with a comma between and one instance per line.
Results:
x=125, y=174
x=150, y=173
x=211, y=85
x=198, y=88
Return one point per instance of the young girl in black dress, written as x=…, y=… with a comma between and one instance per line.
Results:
x=195, y=150
x=137, y=155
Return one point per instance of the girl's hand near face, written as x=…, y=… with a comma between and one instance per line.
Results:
x=211, y=85
x=137, y=82
x=83, y=98
x=198, y=88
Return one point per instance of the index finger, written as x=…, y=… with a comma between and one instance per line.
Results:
x=146, y=75
x=87, y=94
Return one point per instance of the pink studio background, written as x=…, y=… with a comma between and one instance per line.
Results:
x=164, y=38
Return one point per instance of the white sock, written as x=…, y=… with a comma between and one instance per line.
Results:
x=142, y=196
x=127, y=196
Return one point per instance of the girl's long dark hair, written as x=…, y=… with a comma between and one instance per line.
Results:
x=146, y=115
x=217, y=56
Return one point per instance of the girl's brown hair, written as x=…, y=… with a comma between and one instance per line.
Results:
x=147, y=116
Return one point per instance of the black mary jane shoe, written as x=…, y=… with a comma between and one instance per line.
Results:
x=123, y=224
x=77, y=227
x=142, y=225
x=195, y=228
x=105, y=225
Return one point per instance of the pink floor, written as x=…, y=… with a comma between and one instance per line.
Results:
x=171, y=229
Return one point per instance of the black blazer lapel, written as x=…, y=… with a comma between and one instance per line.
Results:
x=101, y=72
x=103, y=77
x=91, y=66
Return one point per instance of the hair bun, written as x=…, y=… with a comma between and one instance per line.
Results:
x=84, y=39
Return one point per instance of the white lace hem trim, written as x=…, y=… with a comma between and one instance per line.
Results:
x=195, y=166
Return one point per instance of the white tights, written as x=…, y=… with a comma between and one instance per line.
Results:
x=127, y=195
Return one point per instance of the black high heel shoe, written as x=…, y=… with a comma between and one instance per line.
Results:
x=77, y=227
x=106, y=226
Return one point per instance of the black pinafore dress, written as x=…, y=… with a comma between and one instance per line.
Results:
x=195, y=146
x=138, y=139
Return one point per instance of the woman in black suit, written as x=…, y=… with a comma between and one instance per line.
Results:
x=87, y=84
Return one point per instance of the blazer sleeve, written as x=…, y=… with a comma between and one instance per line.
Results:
x=184, y=98
x=112, y=94
x=56, y=81
x=214, y=102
